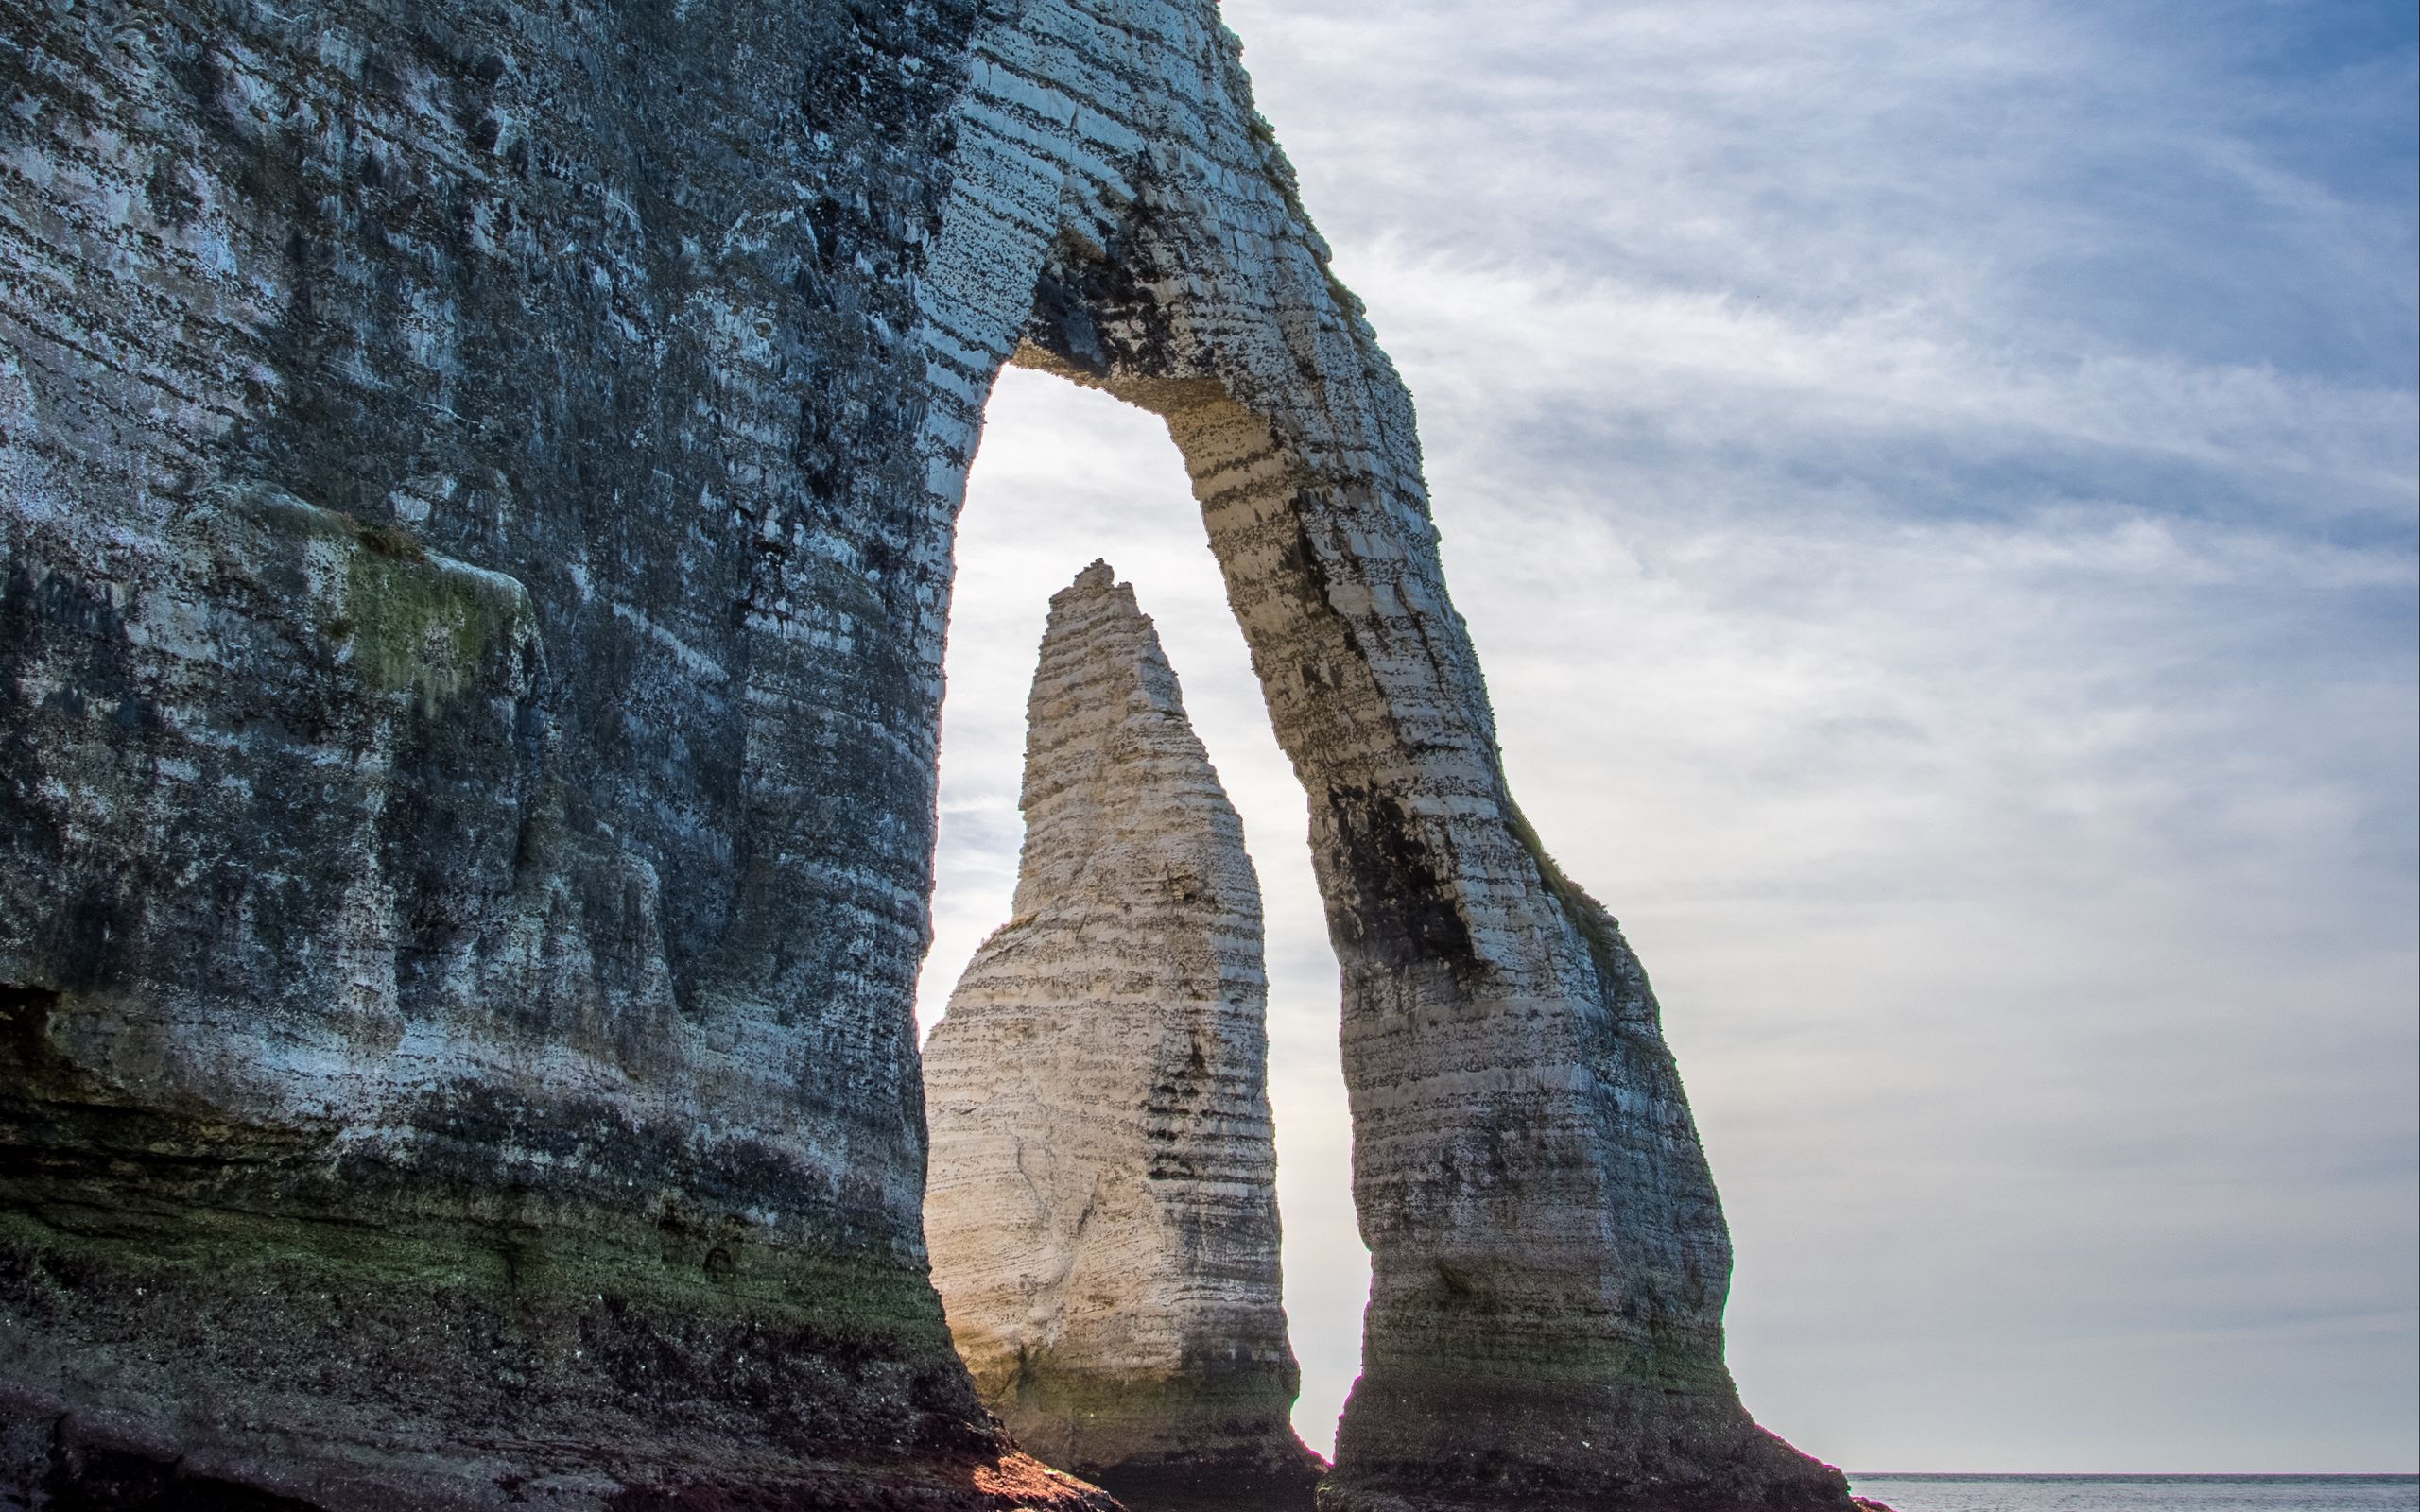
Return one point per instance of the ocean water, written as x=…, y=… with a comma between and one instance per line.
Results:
x=2142, y=1493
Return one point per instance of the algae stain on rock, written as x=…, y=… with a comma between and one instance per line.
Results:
x=406, y=620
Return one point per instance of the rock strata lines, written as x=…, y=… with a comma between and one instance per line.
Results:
x=1103, y=1211
x=1549, y=1256
x=465, y=764
x=477, y=491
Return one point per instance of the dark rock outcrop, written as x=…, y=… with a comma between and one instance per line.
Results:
x=475, y=497
x=1102, y=1205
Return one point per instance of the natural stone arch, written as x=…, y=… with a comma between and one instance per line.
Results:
x=476, y=485
x=1550, y=1257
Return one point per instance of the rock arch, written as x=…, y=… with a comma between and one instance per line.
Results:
x=477, y=489
x=1550, y=1260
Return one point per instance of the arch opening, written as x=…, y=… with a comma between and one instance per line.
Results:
x=1549, y=1261
x=1068, y=473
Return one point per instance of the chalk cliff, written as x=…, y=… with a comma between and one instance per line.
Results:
x=1102, y=1208
x=466, y=757
x=477, y=490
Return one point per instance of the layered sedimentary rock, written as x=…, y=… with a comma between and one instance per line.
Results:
x=1550, y=1259
x=466, y=755
x=1102, y=1210
x=476, y=487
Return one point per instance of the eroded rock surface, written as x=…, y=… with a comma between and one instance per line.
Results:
x=477, y=490
x=1550, y=1259
x=1102, y=1210
x=466, y=754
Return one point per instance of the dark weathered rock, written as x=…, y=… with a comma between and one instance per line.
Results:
x=476, y=494
x=457, y=1046
x=1102, y=1207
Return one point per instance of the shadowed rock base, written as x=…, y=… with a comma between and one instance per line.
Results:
x=151, y=1349
x=1214, y=1488
x=1015, y=1483
x=1525, y=1498
x=1619, y=1448
x=57, y=1463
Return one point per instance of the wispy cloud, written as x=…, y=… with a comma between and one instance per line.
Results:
x=1934, y=487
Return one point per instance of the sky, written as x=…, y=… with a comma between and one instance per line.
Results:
x=1935, y=490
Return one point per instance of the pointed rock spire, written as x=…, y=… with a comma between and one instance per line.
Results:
x=1102, y=1209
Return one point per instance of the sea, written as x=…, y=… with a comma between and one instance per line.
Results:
x=2142, y=1493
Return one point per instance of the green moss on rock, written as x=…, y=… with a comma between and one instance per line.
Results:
x=410, y=621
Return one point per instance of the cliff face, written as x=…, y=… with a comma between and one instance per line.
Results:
x=476, y=494
x=466, y=750
x=1102, y=1210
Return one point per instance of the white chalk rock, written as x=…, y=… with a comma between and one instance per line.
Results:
x=1103, y=1211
